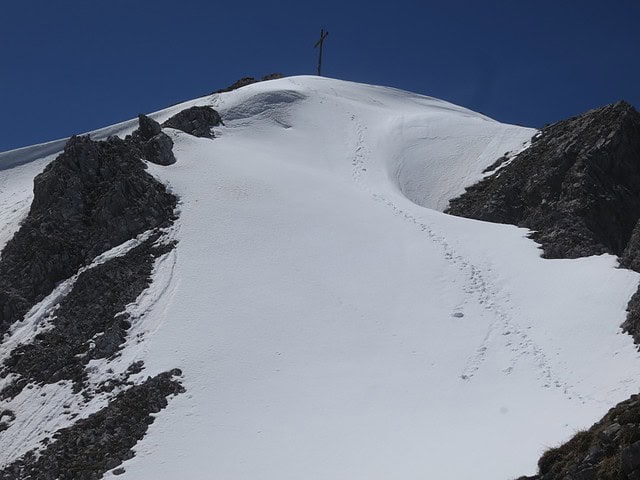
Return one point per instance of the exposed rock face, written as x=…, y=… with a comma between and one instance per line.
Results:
x=89, y=322
x=196, y=121
x=576, y=186
x=94, y=196
x=609, y=450
x=103, y=440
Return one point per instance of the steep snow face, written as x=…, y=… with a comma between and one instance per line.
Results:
x=331, y=323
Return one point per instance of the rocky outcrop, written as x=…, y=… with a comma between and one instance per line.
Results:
x=196, y=121
x=244, y=81
x=609, y=450
x=94, y=196
x=147, y=128
x=90, y=322
x=102, y=441
x=91, y=198
x=576, y=187
x=159, y=150
x=151, y=143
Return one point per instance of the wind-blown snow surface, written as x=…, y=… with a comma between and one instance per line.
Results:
x=332, y=323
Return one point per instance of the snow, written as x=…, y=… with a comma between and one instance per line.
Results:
x=42, y=410
x=332, y=323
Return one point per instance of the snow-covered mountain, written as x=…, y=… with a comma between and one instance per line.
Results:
x=307, y=311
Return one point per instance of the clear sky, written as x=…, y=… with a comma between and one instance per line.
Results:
x=70, y=66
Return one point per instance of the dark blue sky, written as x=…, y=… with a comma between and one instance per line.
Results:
x=72, y=66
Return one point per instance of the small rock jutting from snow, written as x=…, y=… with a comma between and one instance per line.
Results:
x=244, y=81
x=158, y=150
x=154, y=145
x=196, y=121
x=148, y=128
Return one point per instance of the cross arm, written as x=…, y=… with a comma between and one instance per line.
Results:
x=322, y=37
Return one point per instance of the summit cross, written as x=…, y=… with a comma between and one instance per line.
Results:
x=319, y=43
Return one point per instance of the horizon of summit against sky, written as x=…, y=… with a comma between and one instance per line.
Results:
x=72, y=66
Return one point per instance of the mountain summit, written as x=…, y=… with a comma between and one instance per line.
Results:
x=262, y=283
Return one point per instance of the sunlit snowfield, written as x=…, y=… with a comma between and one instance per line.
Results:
x=330, y=321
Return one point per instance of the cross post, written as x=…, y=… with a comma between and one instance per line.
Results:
x=319, y=43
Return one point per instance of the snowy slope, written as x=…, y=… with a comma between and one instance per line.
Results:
x=332, y=323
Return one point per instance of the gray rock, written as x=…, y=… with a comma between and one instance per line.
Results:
x=89, y=323
x=148, y=128
x=159, y=150
x=272, y=76
x=94, y=196
x=102, y=441
x=630, y=458
x=631, y=255
x=610, y=432
x=244, y=81
x=196, y=121
x=631, y=324
x=589, y=473
x=576, y=186
x=594, y=455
